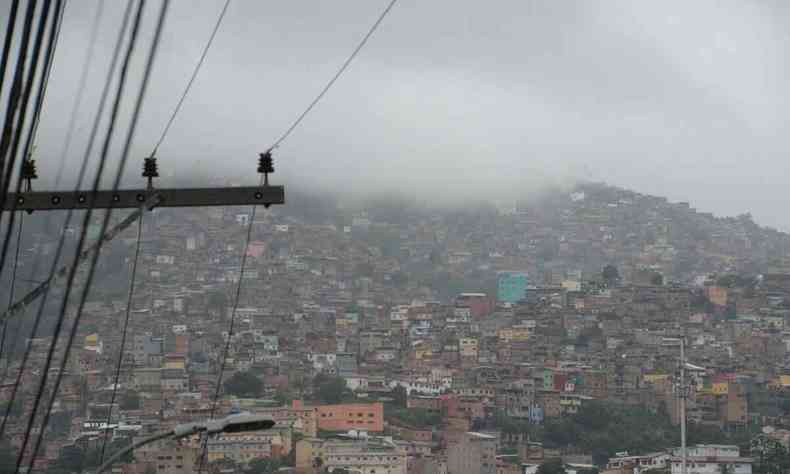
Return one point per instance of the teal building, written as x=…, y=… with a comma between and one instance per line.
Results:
x=511, y=286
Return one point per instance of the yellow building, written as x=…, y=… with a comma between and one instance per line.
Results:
x=247, y=446
x=720, y=388
x=655, y=378
x=513, y=334
x=468, y=347
x=372, y=455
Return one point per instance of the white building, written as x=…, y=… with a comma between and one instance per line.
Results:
x=711, y=459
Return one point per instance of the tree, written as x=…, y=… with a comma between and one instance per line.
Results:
x=656, y=279
x=244, y=384
x=130, y=401
x=610, y=275
x=552, y=466
x=60, y=423
x=330, y=390
x=7, y=458
x=399, y=396
x=264, y=466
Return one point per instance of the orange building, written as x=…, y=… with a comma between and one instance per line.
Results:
x=717, y=295
x=351, y=416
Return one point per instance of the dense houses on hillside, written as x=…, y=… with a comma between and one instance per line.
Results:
x=403, y=341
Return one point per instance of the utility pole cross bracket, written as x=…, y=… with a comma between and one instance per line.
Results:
x=133, y=198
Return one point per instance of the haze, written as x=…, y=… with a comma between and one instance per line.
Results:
x=455, y=99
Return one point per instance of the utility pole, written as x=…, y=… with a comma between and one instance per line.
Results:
x=141, y=200
x=683, y=404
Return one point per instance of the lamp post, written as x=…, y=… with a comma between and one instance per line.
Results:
x=229, y=424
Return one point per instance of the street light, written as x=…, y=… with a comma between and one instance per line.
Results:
x=229, y=424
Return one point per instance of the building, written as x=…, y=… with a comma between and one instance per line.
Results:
x=297, y=417
x=473, y=305
x=168, y=457
x=365, y=455
x=247, y=446
x=711, y=459
x=474, y=453
x=351, y=416
x=511, y=286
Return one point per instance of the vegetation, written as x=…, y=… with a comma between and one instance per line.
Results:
x=399, y=396
x=552, y=466
x=74, y=459
x=603, y=429
x=610, y=275
x=414, y=417
x=264, y=466
x=7, y=458
x=330, y=389
x=130, y=401
x=244, y=384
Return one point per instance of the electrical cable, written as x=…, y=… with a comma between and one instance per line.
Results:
x=86, y=221
x=83, y=80
x=276, y=144
x=106, y=221
x=123, y=332
x=191, y=79
x=13, y=98
x=15, y=140
x=9, y=36
x=81, y=174
x=54, y=38
x=334, y=78
x=38, y=104
x=231, y=328
x=11, y=291
x=34, y=134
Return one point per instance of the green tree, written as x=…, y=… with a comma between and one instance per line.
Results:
x=7, y=458
x=60, y=423
x=244, y=384
x=399, y=396
x=656, y=279
x=330, y=390
x=264, y=466
x=552, y=466
x=130, y=401
x=610, y=275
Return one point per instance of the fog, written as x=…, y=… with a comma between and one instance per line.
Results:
x=459, y=99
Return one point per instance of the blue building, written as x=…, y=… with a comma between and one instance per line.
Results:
x=511, y=286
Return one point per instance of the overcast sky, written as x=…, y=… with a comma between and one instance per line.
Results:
x=459, y=98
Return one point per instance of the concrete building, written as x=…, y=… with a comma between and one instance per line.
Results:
x=351, y=416
x=474, y=453
x=511, y=286
x=711, y=459
x=247, y=446
x=368, y=456
x=169, y=457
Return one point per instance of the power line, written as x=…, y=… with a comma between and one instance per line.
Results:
x=81, y=174
x=11, y=293
x=86, y=221
x=83, y=80
x=123, y=331
x=9, y=31
x=13, y=101
x=335, y=77
x=191, y=79
x=44, y=81
x=105, y=223
x=230, y=330
x=38, y=105
x=69, y=134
